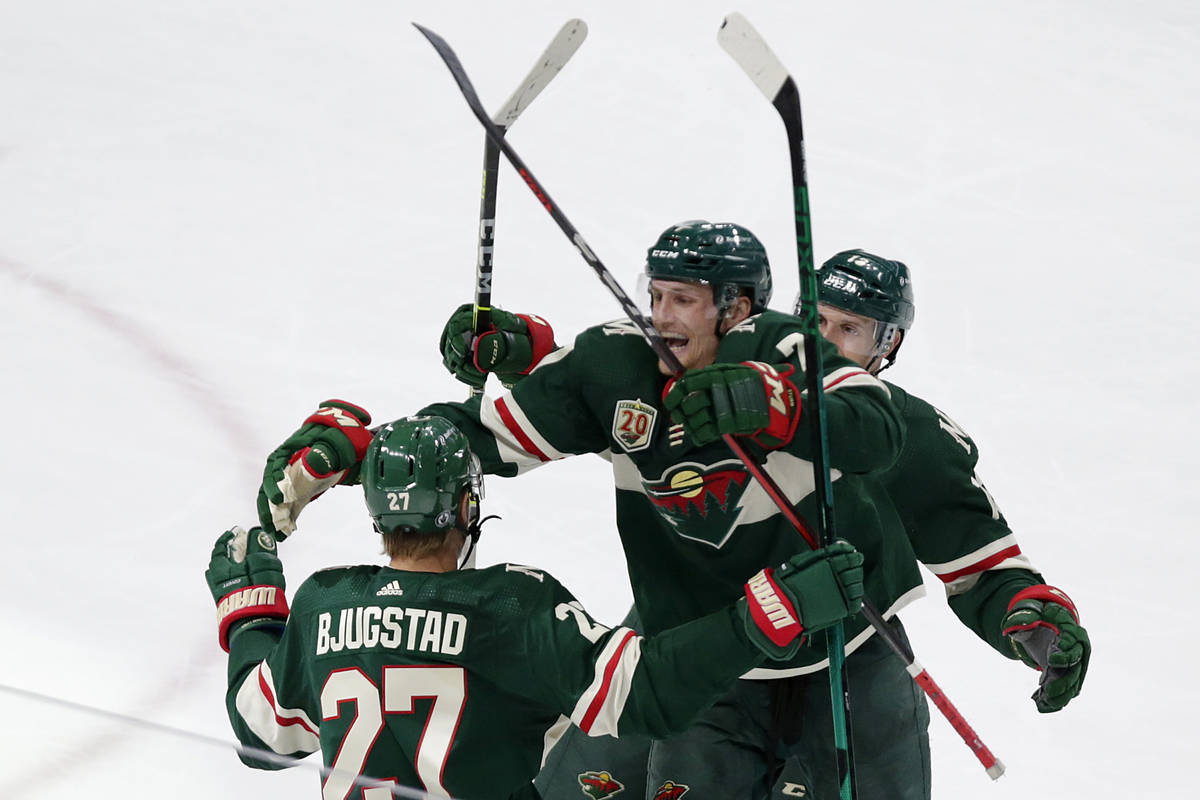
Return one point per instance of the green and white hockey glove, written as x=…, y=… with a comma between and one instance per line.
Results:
x=750, y=399
x=1042, y=629
x=511, y=348
x=327, y=450
x=809, y=591
x=245, y=577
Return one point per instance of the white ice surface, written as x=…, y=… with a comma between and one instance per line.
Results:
x=215, y=214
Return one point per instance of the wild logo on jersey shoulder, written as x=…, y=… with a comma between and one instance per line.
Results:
x=671, y=791
x=700, y=498
x=633, y=424
x=599, y=784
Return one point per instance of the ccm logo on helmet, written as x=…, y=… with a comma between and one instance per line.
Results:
x=663, y=254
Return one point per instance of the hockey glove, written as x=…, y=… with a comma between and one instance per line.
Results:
x=808, y=592
x=749, y=399
x=327, y=450
x=1042, y=629
x=512, y=347
x=246, y=580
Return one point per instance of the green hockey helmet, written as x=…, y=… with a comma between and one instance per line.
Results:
x=874, y=287
x=724, y=255
x=414, y=475
x=866, y=284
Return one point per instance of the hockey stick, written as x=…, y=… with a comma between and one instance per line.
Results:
x=663, y=352
x=738, y=38
x=744, y=44
x=631, y=310
x=564, y=44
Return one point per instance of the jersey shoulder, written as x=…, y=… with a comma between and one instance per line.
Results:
x=770, y=336
x=508, y=591
x=616, y=336
x=333, y=584
x=931, y=432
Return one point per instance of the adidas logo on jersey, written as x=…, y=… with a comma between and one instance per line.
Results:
x=392, y=588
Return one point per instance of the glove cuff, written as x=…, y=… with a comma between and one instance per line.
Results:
x=250, y=601
x=349, y=419
x=783, y=405
x=541, y=339
x=1047, y=594
x=771, y=609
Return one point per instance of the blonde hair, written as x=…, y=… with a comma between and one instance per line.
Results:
x=411, y=545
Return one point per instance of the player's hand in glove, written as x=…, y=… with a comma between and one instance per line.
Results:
x=750, y=399
x=1042, y=628
x=327, y=450
x=808, y=592
x=245, y=577
x=511, y=347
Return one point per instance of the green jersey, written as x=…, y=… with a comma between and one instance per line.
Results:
x=954, y=525
x=693, y=522
x=458, y=682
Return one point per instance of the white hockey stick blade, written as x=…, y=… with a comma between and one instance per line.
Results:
x=556, y=55
x=739, y=38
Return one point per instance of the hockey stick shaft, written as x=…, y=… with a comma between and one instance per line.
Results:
x=564, y=44
x=632, y=311
x=750, y=51
x=496, y=134
x=736, y=32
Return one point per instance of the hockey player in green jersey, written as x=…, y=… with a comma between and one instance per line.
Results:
x=957, y=531
x=866, y=309
x=950, y=518
x=420, y=674
x=692, y=522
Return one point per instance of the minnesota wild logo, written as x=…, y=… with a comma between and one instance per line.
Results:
x=599, y=784
x=671, y=791
x=701, y=499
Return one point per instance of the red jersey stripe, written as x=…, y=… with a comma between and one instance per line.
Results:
x=514, y=428
x=602, y=694
x=980, y=566
x=265, y=688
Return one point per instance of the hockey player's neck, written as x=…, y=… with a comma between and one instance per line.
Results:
x=442, y=561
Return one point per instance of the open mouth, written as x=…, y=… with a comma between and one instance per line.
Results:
x=676, y=341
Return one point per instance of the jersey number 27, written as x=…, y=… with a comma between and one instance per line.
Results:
x=447, y=685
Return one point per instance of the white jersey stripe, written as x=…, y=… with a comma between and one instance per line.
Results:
x=853, y=377
x=966, y=582
x=283, y=730
x=553, y=356
x=518, y=415
x=509, y=447
x=599, y=707
x=763, y=673
x=982, y=554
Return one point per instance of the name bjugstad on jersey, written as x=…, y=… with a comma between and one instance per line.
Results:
x=417, y=629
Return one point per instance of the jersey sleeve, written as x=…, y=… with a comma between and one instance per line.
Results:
x=614, y=681
x=265, y=695
x=544, y=418
x=954, y=524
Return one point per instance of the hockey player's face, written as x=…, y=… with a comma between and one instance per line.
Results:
x=852, y=334
x=686, y=316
